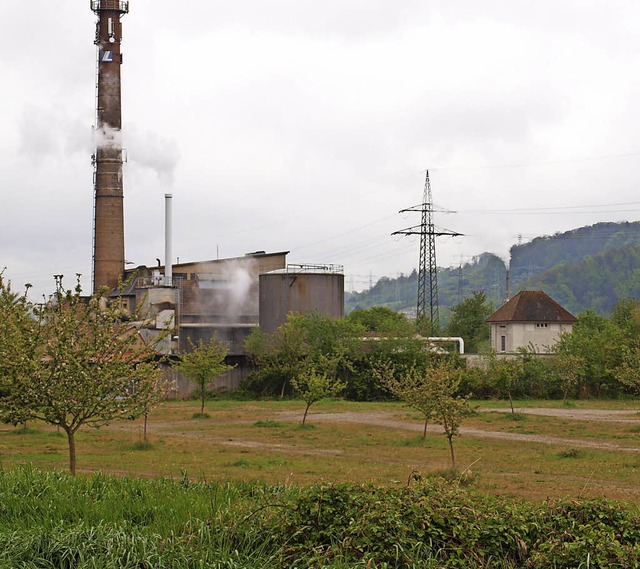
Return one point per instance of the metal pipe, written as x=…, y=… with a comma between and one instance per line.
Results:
x=449, y=339
x=168, y=254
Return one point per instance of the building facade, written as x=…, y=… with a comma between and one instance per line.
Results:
x=531, y=319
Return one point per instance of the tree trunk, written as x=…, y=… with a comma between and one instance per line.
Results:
x=305, y=413
x=453, y=458
x=511, y=402
x=424, y=433
x=146, y=415
x=202, y=406
x=72, y=451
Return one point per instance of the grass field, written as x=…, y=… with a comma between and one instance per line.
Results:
x=528, y=455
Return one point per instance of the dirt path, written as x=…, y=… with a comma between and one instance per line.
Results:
x=605, y=415
x=390, y=420
x=382, y=419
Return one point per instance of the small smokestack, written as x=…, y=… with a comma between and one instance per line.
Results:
x=168, y=253
x=508, y=291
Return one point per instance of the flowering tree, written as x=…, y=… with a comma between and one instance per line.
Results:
x=17, y=339
x=81, y=364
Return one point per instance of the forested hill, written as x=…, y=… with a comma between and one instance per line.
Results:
x=595, y=283
x=586, y=268
x=485, y=272
x=570, y=247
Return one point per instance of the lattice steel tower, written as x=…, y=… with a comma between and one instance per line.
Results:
x=428, y=270
x=108, y=229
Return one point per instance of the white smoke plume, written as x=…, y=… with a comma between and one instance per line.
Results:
x=240, y=281
x=107, y=137
x=151, y=151
x=229, y=294
x=44, y=133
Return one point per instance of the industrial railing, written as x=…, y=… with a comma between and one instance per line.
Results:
x=309, y=268
x=119, y=5
x=158, y=281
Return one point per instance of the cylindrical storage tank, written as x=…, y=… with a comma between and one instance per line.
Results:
x=300, y=289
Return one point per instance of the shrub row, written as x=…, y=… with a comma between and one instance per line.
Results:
x=52, y=520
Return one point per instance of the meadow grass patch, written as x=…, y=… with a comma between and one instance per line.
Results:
x=336, y=450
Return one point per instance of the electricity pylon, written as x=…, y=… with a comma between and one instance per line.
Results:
x=428, y=271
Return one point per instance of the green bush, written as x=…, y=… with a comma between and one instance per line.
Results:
x=53, y=520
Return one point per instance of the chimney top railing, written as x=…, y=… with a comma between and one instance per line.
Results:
x=121, y=6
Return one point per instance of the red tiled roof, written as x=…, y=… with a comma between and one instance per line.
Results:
x=532, y=306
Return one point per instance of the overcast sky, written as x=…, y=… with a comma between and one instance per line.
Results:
x=301, y=126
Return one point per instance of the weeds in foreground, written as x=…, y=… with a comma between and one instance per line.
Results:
x=571, y=453
x=49, y=519
x=142, y=445
x=201, y=416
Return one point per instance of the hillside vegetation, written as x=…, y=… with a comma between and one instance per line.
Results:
x=589, y=268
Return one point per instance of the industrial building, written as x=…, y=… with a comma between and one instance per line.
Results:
x=222, y=298
x=226, y=299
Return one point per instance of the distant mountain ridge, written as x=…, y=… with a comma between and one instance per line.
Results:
x=589, y=268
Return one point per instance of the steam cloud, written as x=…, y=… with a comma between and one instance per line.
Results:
x=151, y=151
x=107, y=137
x=240, y=281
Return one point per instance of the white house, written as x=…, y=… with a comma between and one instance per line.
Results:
x=531, y=318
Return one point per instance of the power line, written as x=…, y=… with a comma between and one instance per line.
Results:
x=530, y=164
x=428, y=271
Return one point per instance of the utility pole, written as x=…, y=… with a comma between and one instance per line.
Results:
x=428, y=271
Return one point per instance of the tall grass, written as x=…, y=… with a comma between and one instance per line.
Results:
x=49, y=520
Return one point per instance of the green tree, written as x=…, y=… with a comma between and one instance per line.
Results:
x=80, y=365
x=413, y=388
x=626, y=317
x=598, y=341
x=152, y=399
x=303, y=339
x=469, y=321
x=203, y=364
x=18, y=338
x=382, y=320
x=567, y=368
x=434, y=392
x=452, y=410
x=314, y=386
x=503, y=375
x=278, y=356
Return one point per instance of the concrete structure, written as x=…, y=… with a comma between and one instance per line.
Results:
x=205, y=299
x=300, y=289
x=222, y=297
x=529, y=319
x=108, y=231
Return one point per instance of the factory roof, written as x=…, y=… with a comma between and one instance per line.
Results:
x=255, y=255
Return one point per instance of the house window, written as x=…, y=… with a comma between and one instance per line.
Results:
x=542, y=325
x=503, y=343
